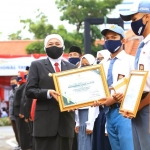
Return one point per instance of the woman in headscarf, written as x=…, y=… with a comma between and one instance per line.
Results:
x=102, y=54
x=52, y=129
x=100, y=137
x=85, y=117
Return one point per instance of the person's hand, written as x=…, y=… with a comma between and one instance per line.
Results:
x=127, y=114
x=21, y=116
x=77, y=129
x=72, y=109
x=106, y=101
x=27, y=120
x=98, y=103
x=118, y=97
x=54, y=94
x=109, y=101
x=89, y=131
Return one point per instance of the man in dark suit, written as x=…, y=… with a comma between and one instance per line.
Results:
x=52, y=129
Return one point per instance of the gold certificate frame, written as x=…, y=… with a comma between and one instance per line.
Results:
x=133, y=92
x=81, y=87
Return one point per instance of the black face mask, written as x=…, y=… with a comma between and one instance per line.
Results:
x=54, y=52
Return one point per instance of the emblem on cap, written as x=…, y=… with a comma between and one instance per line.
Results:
x=112, y=26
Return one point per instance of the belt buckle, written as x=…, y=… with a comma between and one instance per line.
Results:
x=116, y=105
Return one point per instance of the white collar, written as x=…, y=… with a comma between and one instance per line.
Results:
x=53, y=61
x=119, y=55
x=147, y=38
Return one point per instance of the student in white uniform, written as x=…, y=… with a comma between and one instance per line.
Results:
x=100, y=136
x=140, y=17
x=85, y=117
x=118, y=64
x=102, y=54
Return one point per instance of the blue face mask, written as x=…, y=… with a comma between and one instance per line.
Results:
x=113, y=45
x=13, y=86
x=138, y=27
x=74, y=60
x=25, y=76
x=19, y=79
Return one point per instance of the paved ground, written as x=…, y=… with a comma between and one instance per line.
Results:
x=7, y=140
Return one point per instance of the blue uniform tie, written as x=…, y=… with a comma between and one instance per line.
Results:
x=138, y=55
x=110, y=79
x=109, y=75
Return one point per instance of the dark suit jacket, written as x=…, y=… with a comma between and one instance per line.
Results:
x=48, y=119
x=25, y=105
x=17, y=99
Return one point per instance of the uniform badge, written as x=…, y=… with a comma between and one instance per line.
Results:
x=120, y=76
x=141, y=67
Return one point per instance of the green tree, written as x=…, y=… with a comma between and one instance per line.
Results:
x=15, y=36
x=40, y=27
x=35, y=47
x=75, y=11
x=69, y=38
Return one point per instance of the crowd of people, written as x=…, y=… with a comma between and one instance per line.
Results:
x=34, y=111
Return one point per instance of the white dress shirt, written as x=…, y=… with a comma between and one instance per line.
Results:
x=144, y=60
x=53, y=61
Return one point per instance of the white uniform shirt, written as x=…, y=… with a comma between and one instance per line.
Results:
x=92, y=115
x=122, y=66
x=144, y=60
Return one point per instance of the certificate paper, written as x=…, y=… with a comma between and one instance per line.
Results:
x=85, y=86
x=133, y=92
x=81, y=87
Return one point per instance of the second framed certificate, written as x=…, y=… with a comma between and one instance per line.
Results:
x=81, y=87
x=133, y=92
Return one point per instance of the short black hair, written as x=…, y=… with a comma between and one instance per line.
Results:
x=14, y=78
x=27, y=68
x=75, y=49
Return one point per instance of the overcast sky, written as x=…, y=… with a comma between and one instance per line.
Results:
x=11, y=11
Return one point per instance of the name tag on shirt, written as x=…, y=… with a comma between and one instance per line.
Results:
x=120, y=76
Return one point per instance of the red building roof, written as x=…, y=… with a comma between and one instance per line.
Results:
x=14, y=47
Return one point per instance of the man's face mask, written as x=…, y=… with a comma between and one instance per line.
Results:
x=138, y=26
x=13, y=86
x=74, y=60
x=54, y=52
x=25, y=76
x=113, y=45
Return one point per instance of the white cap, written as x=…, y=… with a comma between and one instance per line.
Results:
x=139, y=6
x=54, y=36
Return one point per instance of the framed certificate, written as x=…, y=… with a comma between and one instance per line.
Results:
x=133, y=92
x=81, y=87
